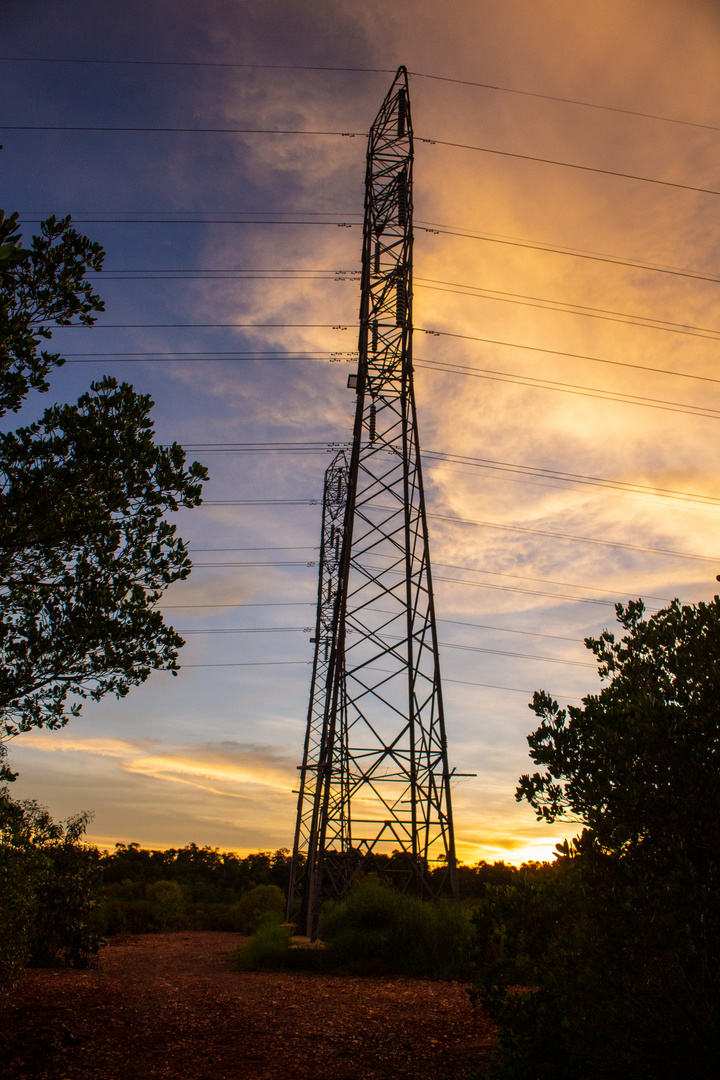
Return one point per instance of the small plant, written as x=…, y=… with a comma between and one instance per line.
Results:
x=267, y=950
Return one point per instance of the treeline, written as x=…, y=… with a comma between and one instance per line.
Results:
x=189, y=888
x=60, y=897
x=202, y=888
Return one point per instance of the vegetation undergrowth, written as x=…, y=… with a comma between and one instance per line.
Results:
x=48, y=879
x=377, y=930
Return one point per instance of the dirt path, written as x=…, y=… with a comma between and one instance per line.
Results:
x=171, y=1006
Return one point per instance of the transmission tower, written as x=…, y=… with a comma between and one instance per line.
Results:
x=375, y=776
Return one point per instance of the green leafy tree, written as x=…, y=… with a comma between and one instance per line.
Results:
x=48, y=880
x=85, y=549
x=639, y=764
x=625, y=966
x=42, y=284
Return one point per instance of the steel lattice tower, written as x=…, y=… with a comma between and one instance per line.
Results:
x=375, y=775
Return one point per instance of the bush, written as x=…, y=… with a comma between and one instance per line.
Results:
x=623, y=972
x=166, y=901
x=265, y=903
x=377, y=930
x=47, y=885
x=267, y=950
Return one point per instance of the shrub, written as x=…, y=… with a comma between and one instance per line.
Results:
x=264, y=903
x=267, y=950
x=622, y=968
x=166, y=905
x=377, y=930
x=47, y=884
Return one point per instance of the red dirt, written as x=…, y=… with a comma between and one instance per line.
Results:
x=172, y=1006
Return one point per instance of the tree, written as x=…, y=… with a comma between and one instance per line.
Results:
x=85, y=550
x=48, y=881
x=40, y=284
x=626, y=964
x=639, y=764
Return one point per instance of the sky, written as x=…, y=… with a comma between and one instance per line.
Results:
x=567, y=314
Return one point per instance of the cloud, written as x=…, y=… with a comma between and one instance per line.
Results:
x=231, y=790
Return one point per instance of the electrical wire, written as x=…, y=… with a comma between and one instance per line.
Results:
x=358, y=70
x=200, y=326
x=569, y=165
x=489, y=463
x=570, y=388
x=593, y=256
x=434, y=228
x=485, y=524
x=271, y=603
x=576, y=478
x=451, y=566
x=352, y=135
x=391, y=637
x=575, y=539
x=252, y=354
x=178, y=130
x=646, y=321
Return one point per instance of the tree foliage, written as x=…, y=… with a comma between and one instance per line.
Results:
x=620, y=938
x=48, y=879
x=639, y=763
x=85, y=548
x=42, y=284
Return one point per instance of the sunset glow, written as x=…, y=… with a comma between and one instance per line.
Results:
x=567, y=313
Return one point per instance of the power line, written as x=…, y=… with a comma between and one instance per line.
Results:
x=452, y=566
x=458, y=288
x=452, y=580
x=201, y=326
x=569, y=165
x=577, y=478
x=566, y=101
x=443, y=644
x=196, y=63
x=438, y=365
x=352, y=135
x=544, y=581
x=516, y=655
x=358, y=70
x=434, y=228
x=251, y=630
x=178, y=356
x=507, y=630
x=594, y=256
x=264, y=547
x=191, y=221
x=257, y=502
x=490, y=463
x=570, y=388
x=271, y=603
x=576, y=539
x=249, y=663
x=205, y=565
x=178, y=130
x=571, y=355
x=543, y=304
x=511, y=689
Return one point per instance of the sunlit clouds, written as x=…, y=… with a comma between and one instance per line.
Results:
x=567, y=327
